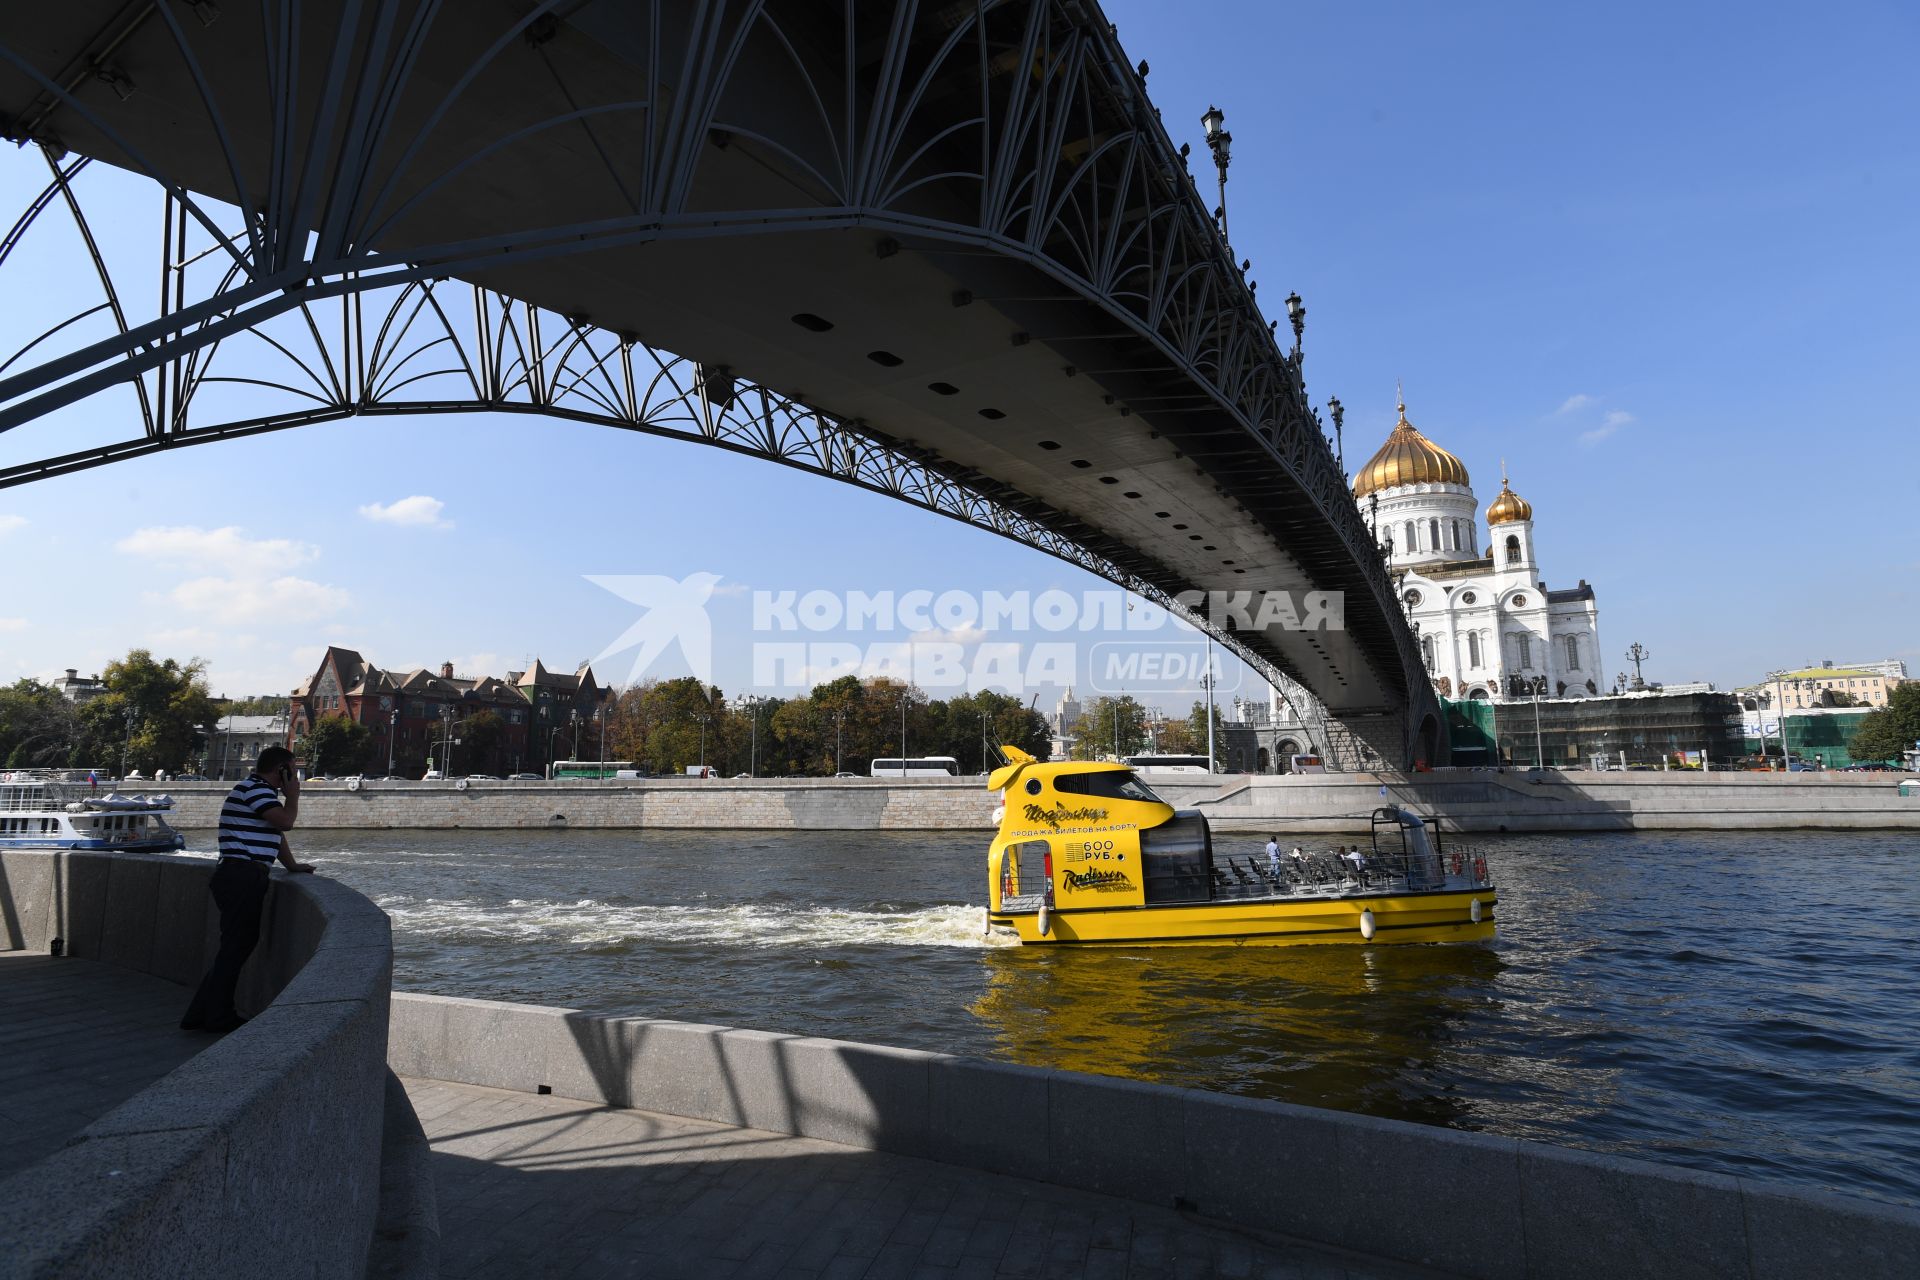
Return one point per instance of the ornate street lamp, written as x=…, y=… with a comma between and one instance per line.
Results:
x=1339, y=412
x=1296, y=316
x=1220, y=142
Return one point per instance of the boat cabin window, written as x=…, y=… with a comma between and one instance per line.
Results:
x=1108, y=785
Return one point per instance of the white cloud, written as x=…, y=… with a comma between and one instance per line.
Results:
x=13, y=624
x=1614, y=420
x=226, y=550
x=9, y=523
x=418, y=511
x=283, y=600
x=184, y=638
x=959, y=635
x=1576, y=402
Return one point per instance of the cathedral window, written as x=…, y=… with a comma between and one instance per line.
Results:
x=1523, y=644
x=1413, y=537
x=1573, y=653
x=1433, y=535
x=1473, y=541
x=1519, y=602
x=1473, y=650
x=1426, y=650
x=1459, y=542
x=1467, y=597
x=1513, y=549
x=1413, y=599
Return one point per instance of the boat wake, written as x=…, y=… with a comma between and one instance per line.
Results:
x=591, y=923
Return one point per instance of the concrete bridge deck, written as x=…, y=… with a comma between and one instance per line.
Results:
x=546, y=1186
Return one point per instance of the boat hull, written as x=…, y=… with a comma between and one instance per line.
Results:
x=1446, y=916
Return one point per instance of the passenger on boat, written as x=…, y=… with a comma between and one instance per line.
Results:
x=1357, y=860
x=1273, y=855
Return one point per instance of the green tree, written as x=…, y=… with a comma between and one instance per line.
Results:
x=1197, y=730
x=1105, y=722
x=482, y=738
x=664, y=725
x=254, y=706
x=335, y=745
x=987, y=720
x=1884, y=734
x=155, y=714
x=38, y=727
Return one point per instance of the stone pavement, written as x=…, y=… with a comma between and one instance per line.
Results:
x=78, y=1038
x=544, y=1186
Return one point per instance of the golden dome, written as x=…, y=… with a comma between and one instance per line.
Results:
x=1408, y=458
x=1508, y=506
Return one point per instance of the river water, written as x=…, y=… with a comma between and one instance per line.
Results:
x=1744, y=1002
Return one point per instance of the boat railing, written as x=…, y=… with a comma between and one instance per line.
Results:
x=1319, y=875
x=36, y=797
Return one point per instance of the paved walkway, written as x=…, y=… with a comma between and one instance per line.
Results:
x=542, y=1186
x=78, y=1038
x=536, y=1186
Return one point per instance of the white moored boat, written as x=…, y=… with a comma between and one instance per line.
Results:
x=47, y=810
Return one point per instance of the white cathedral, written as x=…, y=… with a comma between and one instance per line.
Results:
x=1489, y=627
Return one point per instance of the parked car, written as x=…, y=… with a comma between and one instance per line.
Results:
x=482, y=777
x=433, y=775
x=855, y=775
x=525, y=777
x=191, y=777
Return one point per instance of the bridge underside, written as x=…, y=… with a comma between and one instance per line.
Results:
x=962, y=233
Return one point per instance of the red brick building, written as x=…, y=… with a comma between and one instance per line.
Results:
x=484, y=724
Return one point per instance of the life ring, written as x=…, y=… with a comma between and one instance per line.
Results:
x=353, y=784
x=460, y=785
x=1456, y=864
x=1480, y=869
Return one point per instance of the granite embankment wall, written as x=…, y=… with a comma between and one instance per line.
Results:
x=1464, y=800
x=1467, y=1203
x=216, y=1169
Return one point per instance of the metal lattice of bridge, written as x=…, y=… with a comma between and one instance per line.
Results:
x=943, y=252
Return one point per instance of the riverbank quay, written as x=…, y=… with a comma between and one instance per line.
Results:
x=257, y=1149
x=1463, y=800
x=148, y=1151
x=1461, y=1203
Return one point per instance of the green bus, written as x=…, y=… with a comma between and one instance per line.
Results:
x=600, y=769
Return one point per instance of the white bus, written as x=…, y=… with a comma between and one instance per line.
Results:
x=1306, y=764
x=918, y=767
x=1168, y=764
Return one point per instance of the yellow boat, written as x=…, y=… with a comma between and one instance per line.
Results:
x=1086, y=853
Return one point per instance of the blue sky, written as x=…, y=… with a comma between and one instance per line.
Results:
x=1659, y=258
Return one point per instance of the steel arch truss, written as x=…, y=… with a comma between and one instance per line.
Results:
x=366, y=141
x=432, y=347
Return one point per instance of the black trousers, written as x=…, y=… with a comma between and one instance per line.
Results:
x=239, y=889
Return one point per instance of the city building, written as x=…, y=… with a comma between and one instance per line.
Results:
x=1814, y=735
x=1489, y=626
x=235, y=742
x=1064, y=724
x=1649, y=727
x=421, y=719
x=79, y=689
x=1829, y=684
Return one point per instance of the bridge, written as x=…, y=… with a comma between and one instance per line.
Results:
x=942, y=251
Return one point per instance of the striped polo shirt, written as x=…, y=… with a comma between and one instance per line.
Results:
x=244, y=829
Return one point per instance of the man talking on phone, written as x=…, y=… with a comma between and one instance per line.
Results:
x=253, y=826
